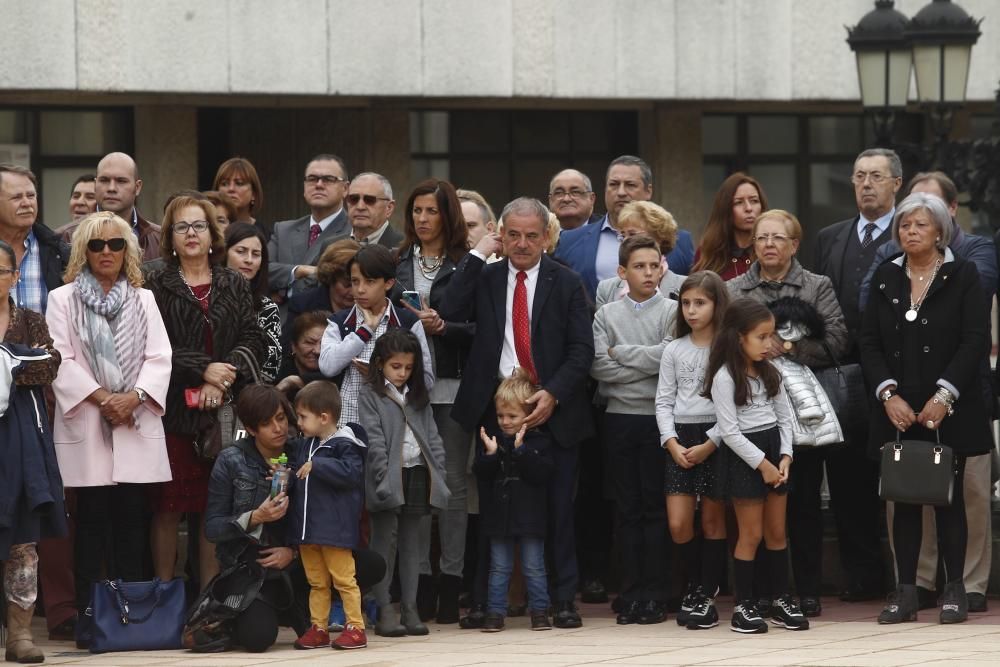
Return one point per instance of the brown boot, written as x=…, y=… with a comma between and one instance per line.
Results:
x=20, y=648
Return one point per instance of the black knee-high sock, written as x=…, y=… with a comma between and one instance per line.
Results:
x=713, y=562
x=778, y=566
x=743, y=579
x=689, y=552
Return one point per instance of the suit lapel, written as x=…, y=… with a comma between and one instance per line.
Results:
x=838, y=251
x=498, y=292
x=546, y=280
x=299, y=239
x=590, y=250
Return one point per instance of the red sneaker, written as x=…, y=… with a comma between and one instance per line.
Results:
x=351, y=637
x=314, y=637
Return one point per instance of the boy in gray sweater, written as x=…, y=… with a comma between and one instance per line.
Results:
x=629, y=337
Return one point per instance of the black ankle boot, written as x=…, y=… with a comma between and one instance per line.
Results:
x=954, y=603
x=901, y=606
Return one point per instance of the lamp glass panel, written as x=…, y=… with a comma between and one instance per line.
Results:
x=927, y=65
x=956, y=72
x=899, y=76
x=871, y=77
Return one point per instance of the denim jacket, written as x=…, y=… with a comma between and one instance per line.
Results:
x=238, y=486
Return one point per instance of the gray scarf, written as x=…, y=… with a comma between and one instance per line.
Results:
x=112, y=329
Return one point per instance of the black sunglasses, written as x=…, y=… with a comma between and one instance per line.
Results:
x=97, y=245
x=369, y=199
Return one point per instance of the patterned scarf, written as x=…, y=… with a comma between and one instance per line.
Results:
x=112, y=329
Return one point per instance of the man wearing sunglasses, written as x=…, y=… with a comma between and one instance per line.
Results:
x=369, y=207
x=295, y=245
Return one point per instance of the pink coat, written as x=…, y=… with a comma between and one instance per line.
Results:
x=137, y=454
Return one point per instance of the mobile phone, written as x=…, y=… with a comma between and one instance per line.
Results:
x=192, y=397
x=412, y=297
x=360, y=361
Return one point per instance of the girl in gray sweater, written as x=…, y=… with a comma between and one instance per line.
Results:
x=755, y=423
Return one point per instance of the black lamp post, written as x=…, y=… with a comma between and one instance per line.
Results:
x=938, y=42
x=883, y=54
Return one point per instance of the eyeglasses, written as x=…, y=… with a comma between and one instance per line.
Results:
x=368, y=199
x=98, y=245
x=575, y=193
x=199, y=226
x=776, y=239
x=874, y=176
x=313, y=179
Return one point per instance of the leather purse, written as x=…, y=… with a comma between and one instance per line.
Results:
x=917, y=472
x=845, y=386
x=136, y=616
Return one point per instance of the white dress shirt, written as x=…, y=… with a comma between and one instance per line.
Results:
x=881, y=224
x=508, y=355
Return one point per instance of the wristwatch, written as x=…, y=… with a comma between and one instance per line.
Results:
x=141, y=394
x=886, y=395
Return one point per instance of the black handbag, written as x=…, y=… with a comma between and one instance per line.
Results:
x=136, y=616
x=844, y=385
x=222, y=429
x=917, y=472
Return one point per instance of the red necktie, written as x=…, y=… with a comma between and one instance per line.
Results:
x=314, y=231
x=522, y=327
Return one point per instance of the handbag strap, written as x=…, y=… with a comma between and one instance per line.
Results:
x=829, y=353
x=249, y=360
x=899, y=436
x=124, y=602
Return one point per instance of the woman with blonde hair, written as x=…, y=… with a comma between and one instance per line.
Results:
x=110, y=395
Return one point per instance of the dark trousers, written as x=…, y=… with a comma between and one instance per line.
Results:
x=111, y=536
x=594, y=512
x=853, y=484
x=637, y=466
x=561, y=544
x=952, y=533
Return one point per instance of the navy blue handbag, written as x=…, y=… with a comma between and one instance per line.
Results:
x=136, y=616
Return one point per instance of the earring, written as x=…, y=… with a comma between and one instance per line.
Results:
x=937, y=240
x=253, y=202
x=209, y=251
x=174, y=252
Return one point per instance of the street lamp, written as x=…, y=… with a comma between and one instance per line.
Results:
x=883, y=54
x=938, y=41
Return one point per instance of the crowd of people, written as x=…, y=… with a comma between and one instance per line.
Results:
x=421, y=409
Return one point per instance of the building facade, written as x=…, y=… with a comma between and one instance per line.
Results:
x=496, y=95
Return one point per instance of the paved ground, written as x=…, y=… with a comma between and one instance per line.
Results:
x=845, y=635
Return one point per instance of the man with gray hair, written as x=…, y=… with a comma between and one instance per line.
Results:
x=531, y=312
x=845, y=251
x=572, y=198
x=369, y=207
x=296, y=245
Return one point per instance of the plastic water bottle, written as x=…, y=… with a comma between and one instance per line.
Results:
x=279, y=478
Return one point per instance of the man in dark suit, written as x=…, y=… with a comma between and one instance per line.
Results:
x=845, y=252
x=295, y=245
x=555, y=345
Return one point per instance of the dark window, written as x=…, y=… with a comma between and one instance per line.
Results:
x=505, y=154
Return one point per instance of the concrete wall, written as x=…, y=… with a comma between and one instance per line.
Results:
x=615, y=49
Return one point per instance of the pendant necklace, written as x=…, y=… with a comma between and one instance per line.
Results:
x=911, y=314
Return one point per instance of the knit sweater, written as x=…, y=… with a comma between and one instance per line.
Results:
x=628, y=343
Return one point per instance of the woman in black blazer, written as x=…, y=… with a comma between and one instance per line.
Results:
x=923, y=340
x=435, y=240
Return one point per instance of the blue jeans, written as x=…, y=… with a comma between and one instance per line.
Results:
x=532, y=566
